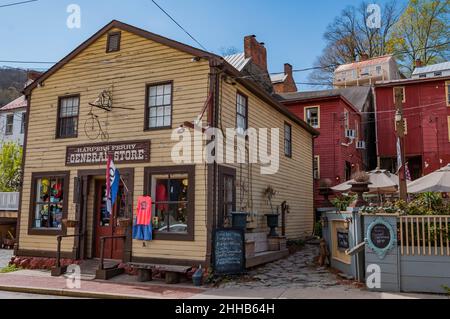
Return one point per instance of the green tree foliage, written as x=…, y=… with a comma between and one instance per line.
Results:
x=10, y=167
x=404, y=32
x=422, y=32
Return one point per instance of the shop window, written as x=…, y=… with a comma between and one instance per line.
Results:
x=113, y=43
x=287, y=140
x=241, y=113
x=49, y=202
x=312, y=116
x=159, y=106
x=172, y=192
x=9, y=124
x=68, y=116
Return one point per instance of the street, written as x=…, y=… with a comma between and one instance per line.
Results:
x=16, y=295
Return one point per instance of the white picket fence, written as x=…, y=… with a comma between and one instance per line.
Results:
x=9, y=201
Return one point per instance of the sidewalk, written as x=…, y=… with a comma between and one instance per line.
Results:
x=41, y=282
x=125, y=287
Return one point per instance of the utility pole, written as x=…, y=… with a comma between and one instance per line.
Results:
x=400, y=122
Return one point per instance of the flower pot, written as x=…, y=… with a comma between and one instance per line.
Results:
x=360, y=188
x=239, y=220
x=272, y=223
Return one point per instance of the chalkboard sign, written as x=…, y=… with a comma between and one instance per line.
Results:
x=380, y=235
x=342, y=240
x=229, y=251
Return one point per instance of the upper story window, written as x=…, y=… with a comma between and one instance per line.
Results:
x=312, y=116
x=438, y=73
x=68, y=109
x=447, y=92
x=316, y=167
x=241, y=113
x=113, y=43
x=159, y=106
x=346, y=119
x=378, y=69
x=22, y=124
x=287, y=140
x=401, y=91
x=9, y=124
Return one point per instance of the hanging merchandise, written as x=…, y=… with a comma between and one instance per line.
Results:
x=142, y=226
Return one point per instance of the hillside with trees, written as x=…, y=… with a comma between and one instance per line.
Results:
x=11, y=84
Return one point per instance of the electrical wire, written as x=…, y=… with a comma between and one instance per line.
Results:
x=179, y=25
x=16, y=3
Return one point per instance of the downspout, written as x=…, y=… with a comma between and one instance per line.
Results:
x=376, y=125
x=213, y=120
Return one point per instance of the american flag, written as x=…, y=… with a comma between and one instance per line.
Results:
x=408, y=174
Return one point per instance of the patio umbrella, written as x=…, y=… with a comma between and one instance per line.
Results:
x=438, y=181
x=382, y=182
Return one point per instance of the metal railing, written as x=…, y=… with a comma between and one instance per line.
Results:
x=102, y=248
x=425, y=235
x=58, y=249
x=9, y=201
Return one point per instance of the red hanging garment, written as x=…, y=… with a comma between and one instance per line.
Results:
x=144, y=210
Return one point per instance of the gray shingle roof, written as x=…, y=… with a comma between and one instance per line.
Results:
x=432, y=68
x=357, y=96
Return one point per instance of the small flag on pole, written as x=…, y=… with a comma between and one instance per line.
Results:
x=399, y=156
x=112, y=184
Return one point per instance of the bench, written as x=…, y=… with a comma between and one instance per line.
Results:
x=172, y=273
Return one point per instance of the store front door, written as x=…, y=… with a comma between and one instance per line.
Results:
x=107, y=224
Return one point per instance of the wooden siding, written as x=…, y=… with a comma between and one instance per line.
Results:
x=328, y=145
x=139, y=62
x=426, y=112
x=294, y=180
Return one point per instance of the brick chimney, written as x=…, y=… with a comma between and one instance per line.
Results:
x=288, y=85
x=255, y=50
x=363, y=57
x=419, y=63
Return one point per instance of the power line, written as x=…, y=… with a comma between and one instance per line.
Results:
x=179, y=25
x=16, y=3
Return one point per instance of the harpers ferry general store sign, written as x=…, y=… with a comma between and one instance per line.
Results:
x=97, y=154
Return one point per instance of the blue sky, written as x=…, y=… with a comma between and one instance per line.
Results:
x=291, y=29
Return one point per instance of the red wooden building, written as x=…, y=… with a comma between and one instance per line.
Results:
x=341, y=149
x=426, y=104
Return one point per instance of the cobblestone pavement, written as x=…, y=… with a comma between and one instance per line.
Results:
x=5, y=257
x=296, y=271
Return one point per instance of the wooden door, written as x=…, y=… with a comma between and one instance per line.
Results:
x=107, y=225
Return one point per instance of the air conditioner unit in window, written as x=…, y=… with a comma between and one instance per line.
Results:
x=350, y=134
x=361, y=145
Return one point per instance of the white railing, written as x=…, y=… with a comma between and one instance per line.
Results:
x=425, y=235
x=9, y=201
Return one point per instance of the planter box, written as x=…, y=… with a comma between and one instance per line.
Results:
x=249, y=249
x=277, y=243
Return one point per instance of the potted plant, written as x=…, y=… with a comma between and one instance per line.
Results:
x=325, y=190
x=272, y=218
x=239, y=218
x=360, y=186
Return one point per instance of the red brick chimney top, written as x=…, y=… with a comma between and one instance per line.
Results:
x=256, y=51
x=419, y=63
x=364, y=57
